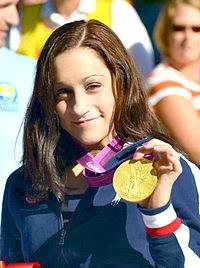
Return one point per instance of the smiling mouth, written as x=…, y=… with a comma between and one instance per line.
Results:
x=84, y=121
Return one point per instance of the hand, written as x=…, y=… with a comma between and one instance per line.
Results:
x=166, y=162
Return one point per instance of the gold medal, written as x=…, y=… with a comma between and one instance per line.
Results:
x=134, y=181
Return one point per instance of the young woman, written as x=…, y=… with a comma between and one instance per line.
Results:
x=89, y=113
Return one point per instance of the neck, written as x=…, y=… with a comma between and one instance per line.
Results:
x=190, y=71
x=95, y=148
x=66, y=8
x=101, y=144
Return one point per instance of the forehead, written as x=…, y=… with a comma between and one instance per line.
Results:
x=79, y=62
x=78, y=53
x=185, y=13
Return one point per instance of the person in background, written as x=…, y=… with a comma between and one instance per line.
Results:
x=38, y=21
x=89, y=112
x=174, y=85
x=16, y=81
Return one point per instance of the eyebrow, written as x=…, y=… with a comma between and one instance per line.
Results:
x=90, y=76
x=61, y=84
x=7, y=3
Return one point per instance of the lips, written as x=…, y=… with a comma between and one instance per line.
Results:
x=82, y=121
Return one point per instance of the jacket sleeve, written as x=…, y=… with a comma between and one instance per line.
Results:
x=10, y=236
x=173, y=231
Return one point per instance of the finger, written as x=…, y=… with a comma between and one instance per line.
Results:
x=163, y=153
x=155, y=142
x=170, y=166
x=140, y=155
x=176, y=163
x=142, y=151
x=150, y=152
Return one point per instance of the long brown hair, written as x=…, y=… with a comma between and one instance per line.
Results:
x=48, y=149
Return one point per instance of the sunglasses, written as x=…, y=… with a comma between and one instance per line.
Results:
x=182, y=28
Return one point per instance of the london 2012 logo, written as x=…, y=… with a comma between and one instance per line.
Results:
x=8, y=97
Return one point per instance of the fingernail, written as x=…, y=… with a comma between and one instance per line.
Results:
x=135, y=155
x=148, y=156
x=145, y=143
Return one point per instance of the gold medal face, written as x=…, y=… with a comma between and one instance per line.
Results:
x=134, y=181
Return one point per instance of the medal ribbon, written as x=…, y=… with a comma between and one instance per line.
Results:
x=95, y=163
x=99, y=169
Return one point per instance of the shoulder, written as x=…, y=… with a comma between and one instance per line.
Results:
x=164, y=73
x=160, y=73
x=185, y=199
x=16, y=180
x=188, y=183
x=165, y=81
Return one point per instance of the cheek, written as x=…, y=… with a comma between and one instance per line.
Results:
x=109, y=109
x=175, y=40
x=105, y=102
x=109, y=101
x=174, y=45
x=61, y=109
x=197, y=42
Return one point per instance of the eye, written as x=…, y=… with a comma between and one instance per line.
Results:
x=196, y=29
x=93, y=86
x=5, y=5
x=62, y=93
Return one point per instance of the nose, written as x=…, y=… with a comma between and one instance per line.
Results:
x=188, y=31
x=80, y=105
x=13, y=16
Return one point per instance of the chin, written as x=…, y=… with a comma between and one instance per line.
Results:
x=93, y=143
x=2, y=43
x=88, y=142
x=187, y=62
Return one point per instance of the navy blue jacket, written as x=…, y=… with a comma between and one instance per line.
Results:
x=100, y=234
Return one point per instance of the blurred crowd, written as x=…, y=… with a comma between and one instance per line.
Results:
x=164, y=46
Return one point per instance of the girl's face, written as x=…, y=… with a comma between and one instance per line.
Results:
x=184, y=37
x=85, y=99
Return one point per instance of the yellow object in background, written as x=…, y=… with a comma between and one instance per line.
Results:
x=35, y=31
